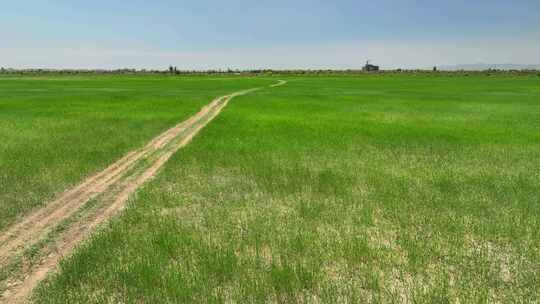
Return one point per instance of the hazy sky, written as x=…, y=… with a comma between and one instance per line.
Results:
x=201, y=34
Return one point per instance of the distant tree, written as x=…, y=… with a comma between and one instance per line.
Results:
x=434, y=69
x=171, y=69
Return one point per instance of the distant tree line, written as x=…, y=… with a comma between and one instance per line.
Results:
x=173, y=70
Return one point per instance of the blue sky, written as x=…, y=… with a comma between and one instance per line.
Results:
x=267, y=34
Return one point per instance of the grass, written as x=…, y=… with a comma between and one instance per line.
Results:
x=346, y=189
x=57, y=130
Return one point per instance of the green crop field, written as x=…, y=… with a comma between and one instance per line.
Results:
x=333, y=189
x=54, y=131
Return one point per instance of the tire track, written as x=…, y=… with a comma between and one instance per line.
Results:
x=38, y=224
x=111, y=188
x=278, y=84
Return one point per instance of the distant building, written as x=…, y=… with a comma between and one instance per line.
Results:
x=370, y=67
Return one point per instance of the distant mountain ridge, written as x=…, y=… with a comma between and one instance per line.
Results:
x=487, y=66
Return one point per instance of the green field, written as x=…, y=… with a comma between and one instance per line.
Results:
x=57, y=130
x=372, y=188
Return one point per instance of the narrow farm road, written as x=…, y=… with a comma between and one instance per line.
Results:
x=278, y=84
x=32, y=248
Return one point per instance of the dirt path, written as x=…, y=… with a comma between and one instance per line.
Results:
x=278, y=84
x=109, y=190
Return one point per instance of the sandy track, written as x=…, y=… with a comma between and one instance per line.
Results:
x=278, y=84
x=111, y=188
